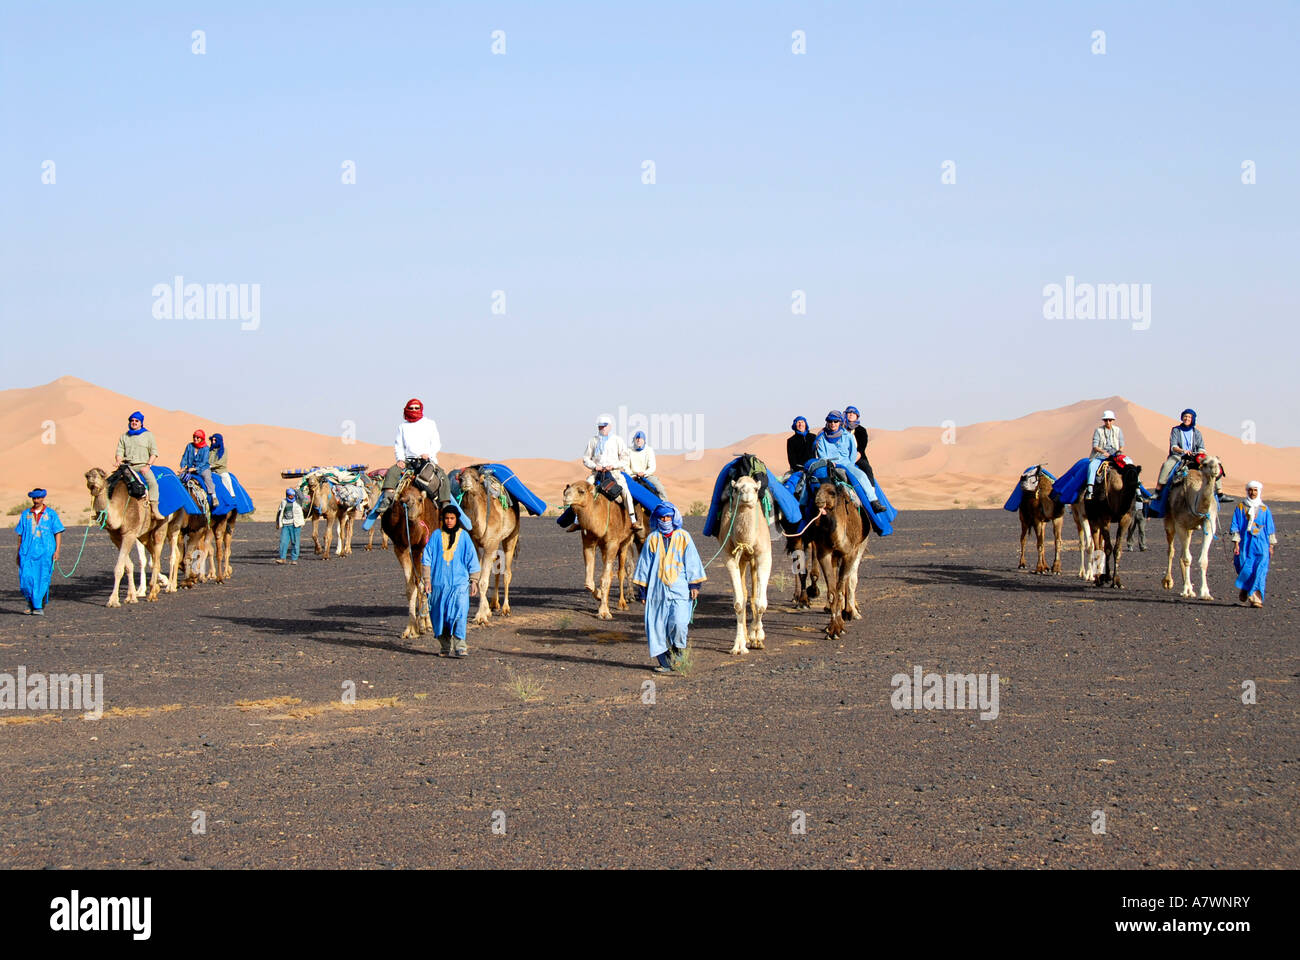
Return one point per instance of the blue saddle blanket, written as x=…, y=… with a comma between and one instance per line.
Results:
x=1013, y=502
x=515, y=487
x=882, y=523
x=1067, y=489
x=172, y=495
x=782, y=499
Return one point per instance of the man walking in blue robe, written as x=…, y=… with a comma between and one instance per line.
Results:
x=1253, y=538
x=39, y=533
x=450, y=559
x=668, y=577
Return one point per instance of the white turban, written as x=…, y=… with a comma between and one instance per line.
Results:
x=1254, y=503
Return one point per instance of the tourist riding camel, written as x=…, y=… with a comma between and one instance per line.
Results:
x=417, y=443
x=836, y=444
x=137, y=449
x=1184, y=440
x=852, y=424
x=799, y=446
x=606, y=451
x=39, y=531
x=195, y=461
x=219, y=462
x=641, y=464
x=1107, y=440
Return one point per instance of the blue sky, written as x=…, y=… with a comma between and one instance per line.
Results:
x=774, y=172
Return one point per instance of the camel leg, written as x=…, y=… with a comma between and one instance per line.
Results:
x=1118, y=547
x=761, y=569
x=589, y=560
x=1185, y=561
x=836, y=625
x=1085, y=542
x=119, y=567
x=737, y=603
x=624, y=570
x=486, y=563
x=413, y=586
x=1206, y=542
x=1040, y=532
x=144, y=565
x=851, y=584
x=227, y=539
x=610, y=556
x=315, y=537
x=1170, y=530
x=1024, y=533
x=1057, y=524
x=511, y=546
x=155, y=554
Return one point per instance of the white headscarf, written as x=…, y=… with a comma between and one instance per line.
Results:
x=1255, y=502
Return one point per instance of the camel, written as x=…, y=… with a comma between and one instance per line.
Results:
x=1192, y=505
x=803, y=561
x=1112, y=502
x=128, y=521
x=747, y=543
x=839, y=535
x=202, y=539
x=1037, y=509
x=323, y=504
x=604, y=524
x=408, y=523
x=496, y=535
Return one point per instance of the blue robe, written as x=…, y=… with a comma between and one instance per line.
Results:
x=665, y=572
x=36, y=555
x=1252, y=561
x=449, y=583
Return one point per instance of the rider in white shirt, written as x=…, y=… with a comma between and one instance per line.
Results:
x=607, y=451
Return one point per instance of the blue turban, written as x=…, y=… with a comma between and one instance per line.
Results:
x=38, y=492
x=796, y=420
x=1192, y=412
x=639, y=435
x=290, y=492
x=852, y=409
x=835, y=415
x=135, y=416
x=665, y=509
x=218, y=444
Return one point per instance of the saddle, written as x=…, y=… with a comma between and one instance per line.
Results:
x=609, y=486
x=426, y=475
x=197, y=494
x=135, y=486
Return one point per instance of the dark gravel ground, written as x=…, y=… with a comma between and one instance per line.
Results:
x=226, y=700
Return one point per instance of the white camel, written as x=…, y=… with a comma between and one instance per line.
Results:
x=747, y=543
x=1192, y=505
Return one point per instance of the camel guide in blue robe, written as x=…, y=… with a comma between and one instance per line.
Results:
x=449, y=559
x=39, y=532
x=1253, y=539
x=668, y=577
x=837, y=445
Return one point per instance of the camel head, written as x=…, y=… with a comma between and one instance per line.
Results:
x=827, y=498
x=578, y=494
x=470, y=480
x=1029, y=482
x=95, y=480
x=744, y=490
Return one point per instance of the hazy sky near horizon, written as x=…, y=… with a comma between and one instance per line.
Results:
x=774, y=172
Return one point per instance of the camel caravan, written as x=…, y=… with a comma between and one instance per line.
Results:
x=456, y=535
x=1104, y=490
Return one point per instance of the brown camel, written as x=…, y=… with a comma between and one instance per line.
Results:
x=408, y=523
x=839, y=535
x=322, y=504
x=1037, y=509
x=206, y=540
x=129, y=520
x=604, y=524
x=1193, y=506
x=495, y=532
x=1112, y=502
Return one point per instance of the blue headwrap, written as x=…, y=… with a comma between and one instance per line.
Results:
x=290, y=492
x=639, y=435
x=218, y=444
x=135, y=416
x=1192, y=412
x=835, y=433
x=852, y=409
x=38, y=492
x=794, y=425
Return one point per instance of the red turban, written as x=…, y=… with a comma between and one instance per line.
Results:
x=202, y=440
x=414, y=410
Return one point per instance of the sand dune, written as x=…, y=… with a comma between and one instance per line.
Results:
x=50, y=435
